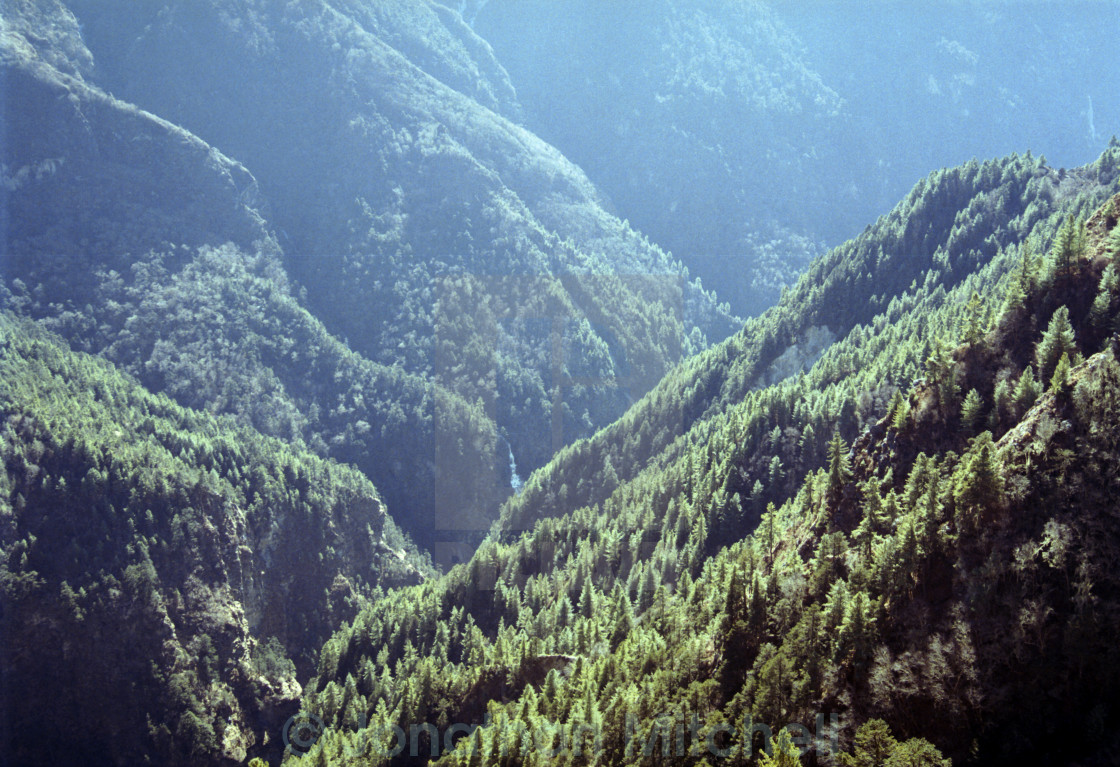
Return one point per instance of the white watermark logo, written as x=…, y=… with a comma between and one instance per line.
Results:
x=668, y=735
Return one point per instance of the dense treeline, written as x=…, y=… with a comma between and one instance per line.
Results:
x=177, y=565
x=881, y=292
x=221, y=330
x=948, y=569
x=404, y=188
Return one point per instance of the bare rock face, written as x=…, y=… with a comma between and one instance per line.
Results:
x=798, y=356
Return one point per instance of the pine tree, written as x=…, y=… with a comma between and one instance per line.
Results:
x=1112, y=245
x=977, y=484
x=942, y=374
x=1056, y=341
x=757, y=491
x=917, y=752
x=839, y=465
x=808, y=442
x=893, y=406
x=1024, y=281
x=900, y=413
x=856, y=631
x=971, y=410
x=1060, y=379
x=623, y=615
x=1069, y=244
x=768, y=532
x=1027, y=389
x=1002, y=398
x=587, y=600
x=786, y=754
x=775, y=473
x=1102, y=305
x=649, y=584
x=973, y=321
x=1099, y=312
x=874, y=744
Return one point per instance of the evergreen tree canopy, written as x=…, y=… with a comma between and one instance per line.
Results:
x=1056, y=341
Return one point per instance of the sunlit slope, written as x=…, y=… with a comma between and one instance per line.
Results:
x=428, y=337
x=134, y=238
x=949, y=574
x=948, y=232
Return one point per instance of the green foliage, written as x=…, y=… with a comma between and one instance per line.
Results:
x=785, y=754
x=1101, y=311
x=917, y=752
x=973, y=324
x=1068, y=247
x=875, y=746
x=971, y=410
x=1058, y=340
x=909, y=588
x=1112, y=245
x=477, y=293
x=1024, y=279
x=167, y=525
x=1027, y=389
x=839, y=465
x=687, y=560
x=1060, y=379
x=887, y=328
x=977, y=485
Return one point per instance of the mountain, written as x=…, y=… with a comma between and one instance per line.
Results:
x=165, y=574
x=945, y=580
x=690, y=115
x=381, y=198
x=877, y=291
x=292, y=295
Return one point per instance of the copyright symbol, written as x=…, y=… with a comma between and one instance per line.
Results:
x=300, y=732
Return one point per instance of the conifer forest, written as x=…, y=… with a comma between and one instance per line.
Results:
x=559, y=383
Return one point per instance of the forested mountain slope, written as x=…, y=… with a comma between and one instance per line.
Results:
x=401, y=191
x=259, y=257
x=690, y=114
x=379, y=196
x=949, y=575
x=876, y=292
x=160, y=568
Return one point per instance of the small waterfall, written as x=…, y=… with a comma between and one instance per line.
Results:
x=1092, y=124
x=514, y=479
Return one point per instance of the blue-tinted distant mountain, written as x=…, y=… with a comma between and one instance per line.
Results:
x=702, y=121
x=398, y=207
x=933, y=85
x=740, y=135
